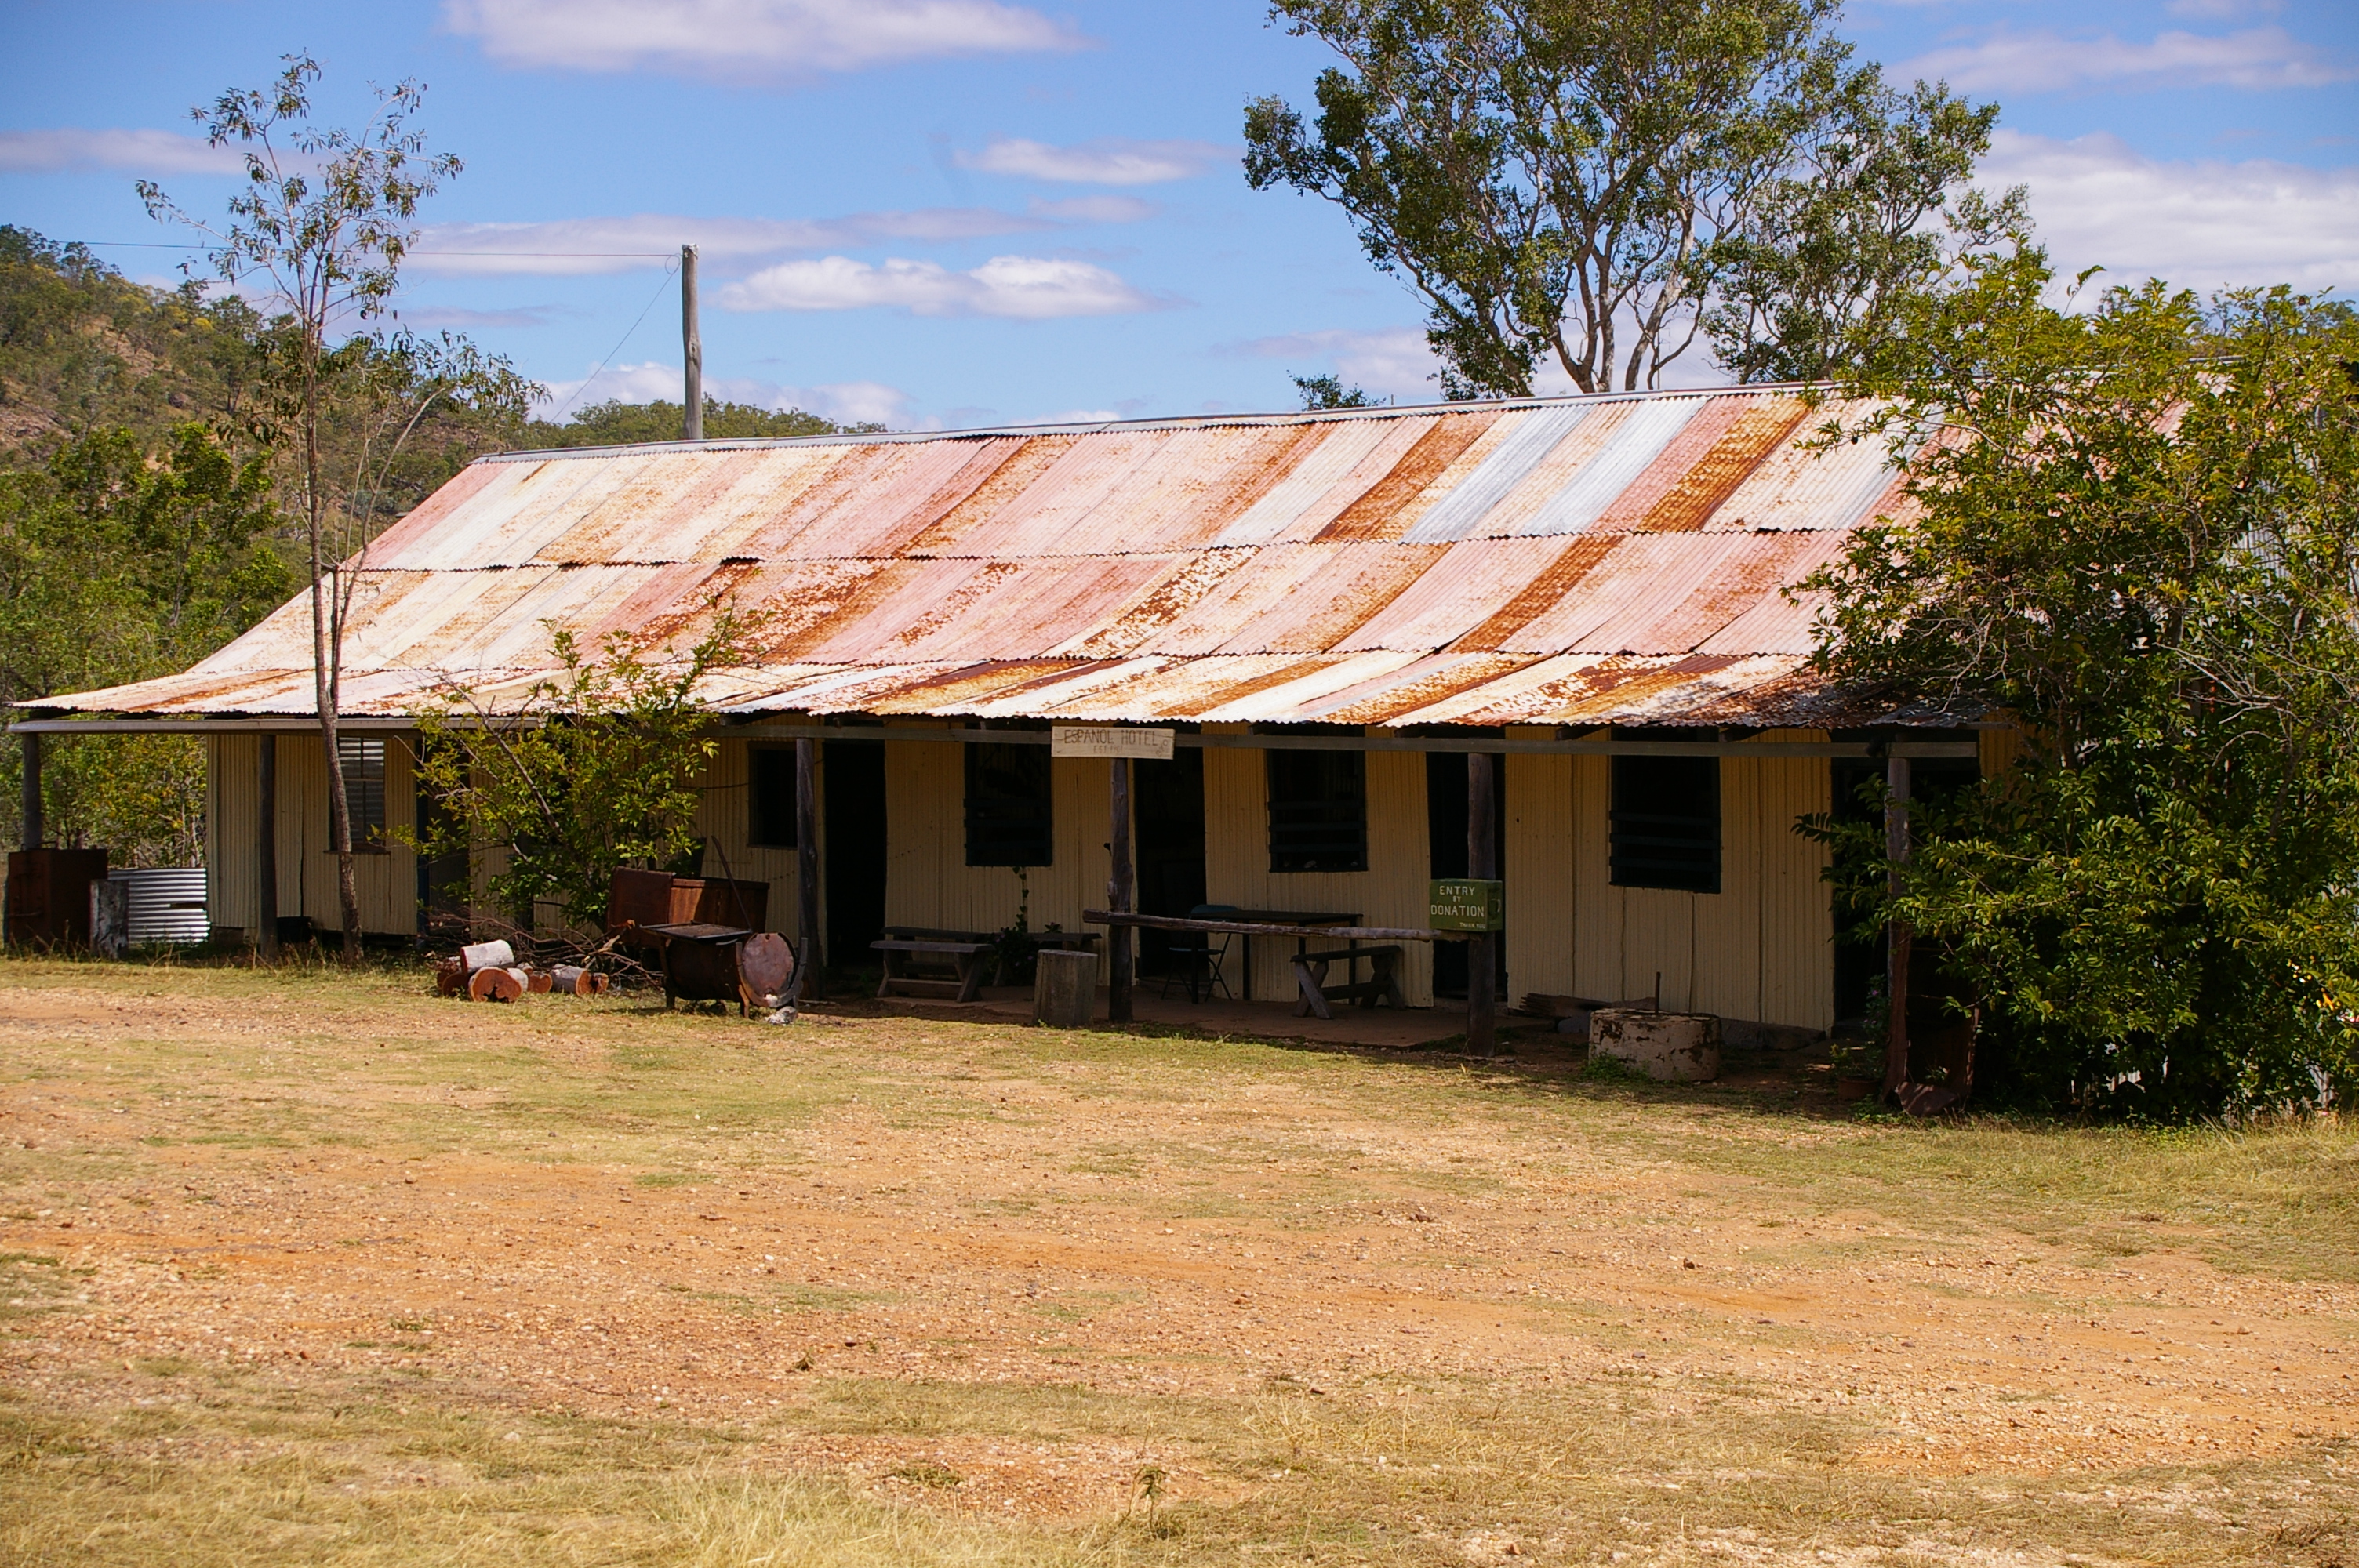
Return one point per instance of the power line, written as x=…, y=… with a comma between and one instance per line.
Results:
x=559, y=410
x=596, y=255
x=611, y=255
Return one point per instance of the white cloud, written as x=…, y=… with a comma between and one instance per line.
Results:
x=1029, y=288
x=581, y=245
x=1109, y=160
x=1398, y=363
x=141, y=152
x=846, y=402
x=1079, y=416
x=2199, y=224
x=750, y=39
x=2259, y=58
x=2224, y=10
x=1391, y=361
x=1094, y=209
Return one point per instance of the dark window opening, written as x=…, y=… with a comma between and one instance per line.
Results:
x=771, y=797
x=1666, y=823
x=1169, y=800
x=1857, y=794
x=1445, y=825
x=362, y=760
x=443, y=884
x=1008, y=818
x=1318, y=811
x=853, y=839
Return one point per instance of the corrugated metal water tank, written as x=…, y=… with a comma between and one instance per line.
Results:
x=167, y=904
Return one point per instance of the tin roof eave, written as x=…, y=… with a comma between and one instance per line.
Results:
x=1169, y=422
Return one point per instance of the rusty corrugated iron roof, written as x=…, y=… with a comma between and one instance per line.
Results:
x=1616, y=560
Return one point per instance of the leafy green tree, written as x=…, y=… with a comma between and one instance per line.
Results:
x=591, y=770
x=1599, y=183
x=616, y=423
x=190, y=528
x=324, y=219
x=1328, y=392
x=2136, y=530
x=141, y=461
x=116, y=564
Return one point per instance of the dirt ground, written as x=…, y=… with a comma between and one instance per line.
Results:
x=1048, y=1280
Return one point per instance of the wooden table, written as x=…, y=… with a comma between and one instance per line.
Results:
x=1071, y=940
x=1381, y=986
x=964, y=957
x=1282, y=917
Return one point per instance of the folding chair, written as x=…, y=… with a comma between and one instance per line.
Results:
x=1196, y=957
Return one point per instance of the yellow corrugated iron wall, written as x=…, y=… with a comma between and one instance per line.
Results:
x=1391, y=891
x=1999, y=749
x=1797, y=924
x=724, y=815
x=307, y=869
x=928, y=882
x=1537, y=860
x=1723, y=967
x=1761, y=948
x=231, y=818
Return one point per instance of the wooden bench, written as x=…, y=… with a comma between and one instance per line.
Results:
x=1383, y=984
x=964, y=957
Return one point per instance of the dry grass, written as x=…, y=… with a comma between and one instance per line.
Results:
x=329, y=1241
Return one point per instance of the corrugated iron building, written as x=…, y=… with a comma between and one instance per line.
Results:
x=1562, y=579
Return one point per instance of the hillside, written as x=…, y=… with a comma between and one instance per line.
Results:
x=82, y=348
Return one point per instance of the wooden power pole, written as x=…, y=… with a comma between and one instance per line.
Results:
x=29, y=787
x=1482, y=950
x=691, y=342
x=265, y=856
x=1895, y=931
x=1119, y=893
x=808, y=971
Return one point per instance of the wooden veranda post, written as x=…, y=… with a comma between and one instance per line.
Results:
x=265, y=848
x=691, y=345
x=1481, y=949
x=1895, y=932
x=809, y=969
x=1118, y=898
x=29, y=794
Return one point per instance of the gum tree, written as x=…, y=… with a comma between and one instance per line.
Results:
x=322, y=224
x=1599, y=184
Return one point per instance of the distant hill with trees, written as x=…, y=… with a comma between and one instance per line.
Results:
x=146, y=501
x=616, y=423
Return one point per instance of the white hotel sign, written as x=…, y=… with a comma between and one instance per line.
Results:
x=1092, y=741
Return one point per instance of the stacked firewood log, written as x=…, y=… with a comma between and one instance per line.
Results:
x=488, y=971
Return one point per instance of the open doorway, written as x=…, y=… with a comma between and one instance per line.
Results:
x=1859, y=956
x=1445, y=850
x=1168, y=804
x=852, y=776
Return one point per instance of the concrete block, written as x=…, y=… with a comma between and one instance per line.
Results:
x=1668, y=1047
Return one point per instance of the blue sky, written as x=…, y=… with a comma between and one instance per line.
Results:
x=952, y=212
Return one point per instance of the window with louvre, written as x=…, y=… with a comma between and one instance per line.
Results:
x=1665, y=827
x=1318, y=811
x=1008, y=818
x=362, y=760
